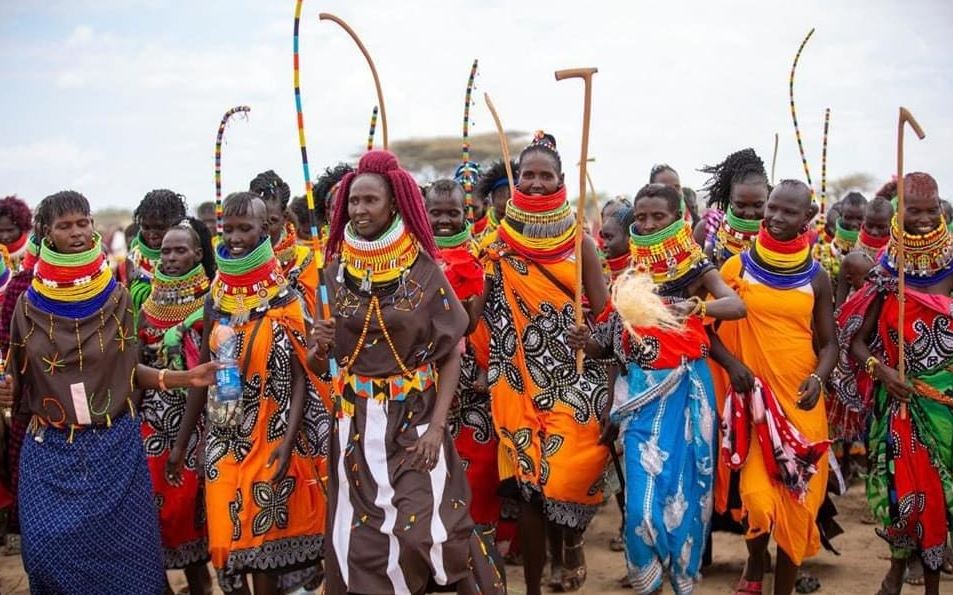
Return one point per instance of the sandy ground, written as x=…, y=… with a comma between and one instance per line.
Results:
x=857, y=571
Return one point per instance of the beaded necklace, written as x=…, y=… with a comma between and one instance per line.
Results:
x=285, y=250
x=32, y=253
x=481, y=225
x=670, y=255
x=781, y=265
x=871, y=245
x=71, y=285
x=734, y=235
x=929, y=257
x=17, y=250
x=844, y=239
x=458, y=239
x=377, y=261
x=144, y=259
x=5, y=272
x=616, y=266
x=173, y=299
x=248, y=283
x=539, y=228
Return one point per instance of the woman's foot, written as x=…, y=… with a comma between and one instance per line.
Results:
x=617, y=543
x=572, y=579
x=746, y=587
x=914, y=575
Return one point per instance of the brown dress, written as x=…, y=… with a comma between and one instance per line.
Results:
x=393, y=529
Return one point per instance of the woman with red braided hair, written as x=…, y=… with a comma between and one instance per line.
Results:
x=15, y=226
x=398, y=497
x=547, y=414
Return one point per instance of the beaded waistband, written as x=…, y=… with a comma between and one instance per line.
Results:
x=388, y=388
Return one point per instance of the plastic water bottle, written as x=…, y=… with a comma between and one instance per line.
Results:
x=228, y=381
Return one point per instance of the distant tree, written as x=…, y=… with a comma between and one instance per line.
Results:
x=438, y=156
x=859, y=182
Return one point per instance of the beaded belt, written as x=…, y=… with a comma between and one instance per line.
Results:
x=388, y=388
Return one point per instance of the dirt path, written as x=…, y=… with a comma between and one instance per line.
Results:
x=856, y=572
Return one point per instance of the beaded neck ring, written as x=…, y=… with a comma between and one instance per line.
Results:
x=670, y=255
x=456, y=240
x=16, y=251
x=929, y=257
x=247, y=284
x=540, y=228
x=871, y=245
x=379, y=261
x=285, y=250
x=32, y=253
x=145, y=259
x=71, y=285
x=844, y=239
x=734, y=236
x=173, y=299
x=616, y=266
x=5, y=272
x=782, y=265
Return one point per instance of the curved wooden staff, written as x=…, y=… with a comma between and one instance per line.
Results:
x=774, y=157
x=504, y=145
x=372, y=130
x=586, y=75
x=797, y=131
x=323, y=309
x=242, y=109
x=827, y=124
x=905, y=118
x=592, y=191
x=465, y=159
x=324, y=16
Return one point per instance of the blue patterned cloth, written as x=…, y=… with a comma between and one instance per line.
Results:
x=667, y=428
x=88, y=521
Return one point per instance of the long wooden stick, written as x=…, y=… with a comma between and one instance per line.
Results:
x=586, y=75
x=325, y=16
x=504, y=145
x=905, y=118
x=774, y=157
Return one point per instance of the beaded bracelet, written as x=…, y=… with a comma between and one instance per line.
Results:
x=871, y=363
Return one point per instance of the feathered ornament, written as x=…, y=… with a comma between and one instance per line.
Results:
x=635, y=299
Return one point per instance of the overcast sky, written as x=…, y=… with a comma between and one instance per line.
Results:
x=116, y=97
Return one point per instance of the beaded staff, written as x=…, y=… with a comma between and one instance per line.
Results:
x=827, y=124
x=324, y=16
x=467, y=174
x=905, y=118
x=774, y=157
x=504, y=145
x=244, y=109
x=586, y=75
x=797, y=131
x=323, y=307
x=373, y=129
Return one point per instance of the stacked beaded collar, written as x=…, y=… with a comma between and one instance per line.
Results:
x=482, y=224
x=616, y=266
x=17, y=250
x=871, y=245
x=145, y=259
x=378, y=261
x=173, y=299
x=285, y=250
x=32, y=253
x=735, y=235
x=782, y=265
x=670, y=255
x=71, y=285
x=539, y=228
x=844, y=239
x=456, y=240
x=5, y=271
x=929, y=257
x=247, y=284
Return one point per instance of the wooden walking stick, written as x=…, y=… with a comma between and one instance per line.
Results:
x=324, y=16
x=774, y=157
x=504, y=145
x=905, y=118
x=586, y=75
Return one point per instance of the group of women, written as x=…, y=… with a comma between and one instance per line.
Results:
x=201, y=405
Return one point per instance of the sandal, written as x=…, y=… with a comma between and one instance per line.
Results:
x=746, y=587
x=572, y=579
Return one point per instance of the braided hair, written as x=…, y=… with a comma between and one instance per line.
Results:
x=546, y=144
x=270, y=187
x=488, y=178
x=738, y=168
x=202, y=238
x=331, y=177
x=59, y=204
x=166, y=205
x=403, y=188
x=659, y=168
x=17, y=211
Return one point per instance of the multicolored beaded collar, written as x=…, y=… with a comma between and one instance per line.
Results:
x=377, y=261
x=173, y=299
x=32, y=253
x=781, y=265
x=670, y=255
x=616, y=266
x=71, y=285
x=871, y=245
x=17, y=250
x=734, y=235
x=5, y=272
x=285, y=250
x=248, y=284
x=456, y=240
x=481, y=224
x=844, y=239
x=928, y=257
x=541, y=228
x=144, y=259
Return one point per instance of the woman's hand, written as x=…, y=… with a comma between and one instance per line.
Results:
x=683, y=308
x=6, y=391
x=810, y=391
x=742, y=380
x=322, y=338
x=577, y=337
x=173, y=467
x=891, y=381
x=282, y=455
x=203, y=375
x=425, y=452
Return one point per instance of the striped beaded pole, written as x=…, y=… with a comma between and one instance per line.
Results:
x=323, y=309
x=797, y=131
x=467, y=172
x=827, y=124
x=242, y=109
x=373, y=129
